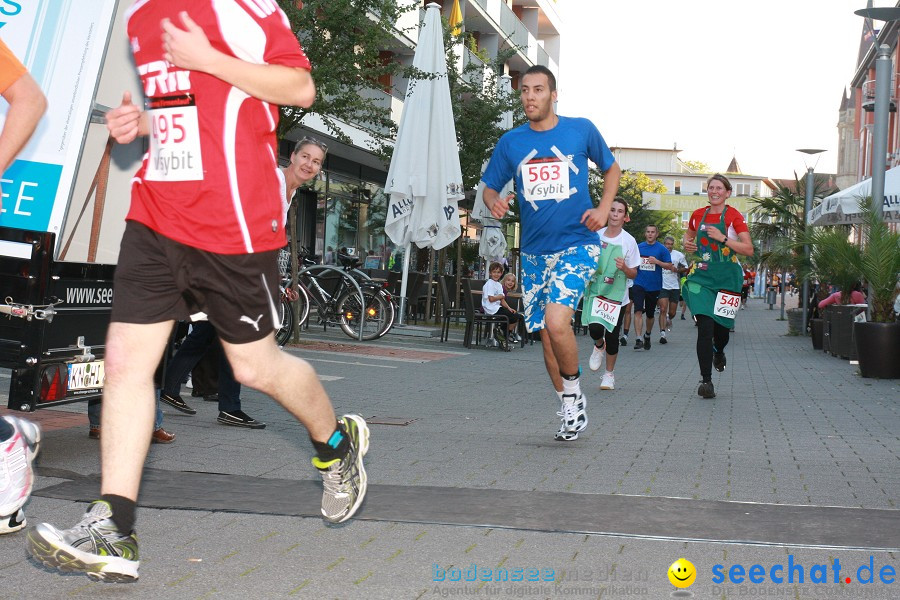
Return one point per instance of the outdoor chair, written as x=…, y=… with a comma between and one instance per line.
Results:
x=475, y=319
x=450, y=307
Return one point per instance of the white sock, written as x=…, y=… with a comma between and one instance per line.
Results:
x=662, y=333
x=609, y=372
x=560, y=395
x=572, y=386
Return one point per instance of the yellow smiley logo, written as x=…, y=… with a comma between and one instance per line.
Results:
x=682, y=573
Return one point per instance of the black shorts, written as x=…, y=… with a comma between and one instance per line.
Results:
x=158, y=279
x=644, y=301
x=671, y=295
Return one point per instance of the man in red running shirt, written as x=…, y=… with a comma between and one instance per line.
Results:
x=203, y=231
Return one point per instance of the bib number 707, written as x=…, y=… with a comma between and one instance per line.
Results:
x=727, y=304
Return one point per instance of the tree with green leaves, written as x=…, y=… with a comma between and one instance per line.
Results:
x=778, y=227
x=697, y=166
x=344, y=41
x=632, y=186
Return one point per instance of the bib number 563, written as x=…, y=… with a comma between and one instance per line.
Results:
x=544, y=173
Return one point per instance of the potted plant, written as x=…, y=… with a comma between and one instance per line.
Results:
x=878, y=341
x=832, y=259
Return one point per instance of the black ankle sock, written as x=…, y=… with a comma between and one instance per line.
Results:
x=337, y=446
x=571, y=377
x=625, y=332
x=123, y=511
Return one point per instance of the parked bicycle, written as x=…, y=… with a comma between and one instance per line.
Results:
x=336, y=300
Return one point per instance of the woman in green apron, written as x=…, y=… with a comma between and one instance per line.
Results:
x=716, y=234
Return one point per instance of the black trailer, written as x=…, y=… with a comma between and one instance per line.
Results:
x=53, y=321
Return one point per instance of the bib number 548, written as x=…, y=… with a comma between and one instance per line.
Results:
x=727, y=304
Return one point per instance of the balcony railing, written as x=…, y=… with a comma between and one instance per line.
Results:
x=507, y=22
x=868, y=95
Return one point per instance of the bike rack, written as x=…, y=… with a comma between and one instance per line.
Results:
x=362, y=298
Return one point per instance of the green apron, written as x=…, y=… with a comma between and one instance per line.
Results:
x=715, y=269
x=608, y=285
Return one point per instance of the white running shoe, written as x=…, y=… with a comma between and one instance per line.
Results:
x=573, y=413
x=597, y=356
x=563, y=435
x=13, y=522
x=608, y=382
x=16, y=455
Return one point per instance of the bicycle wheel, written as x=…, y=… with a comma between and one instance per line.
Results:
x=376, y=318
x=286, y=316
x=392, y=313
x=302, y=308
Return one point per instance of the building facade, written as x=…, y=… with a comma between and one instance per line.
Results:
x=686, y=188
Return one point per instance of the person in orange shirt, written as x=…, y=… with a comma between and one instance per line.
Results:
x=26, y=106
x=19, y=439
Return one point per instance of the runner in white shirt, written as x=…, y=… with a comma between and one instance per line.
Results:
x=626, y=259
x=671, y=289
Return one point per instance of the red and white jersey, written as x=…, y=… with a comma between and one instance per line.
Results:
x=208, y=180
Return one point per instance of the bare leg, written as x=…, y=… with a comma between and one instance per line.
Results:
x=558, y=320
x=662, y=306
x=129, y=403
x=639, y=323
x=550, y=361
x=626, y=325
x=291, y=381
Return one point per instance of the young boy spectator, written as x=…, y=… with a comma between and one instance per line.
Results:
x=493, y=302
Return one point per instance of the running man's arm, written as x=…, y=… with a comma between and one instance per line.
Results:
x=26, y=106
x=127, y=121
x=189, y=48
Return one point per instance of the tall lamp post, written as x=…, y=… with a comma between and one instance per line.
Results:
x=883, y=79
x=807, y=206
x=883, y=83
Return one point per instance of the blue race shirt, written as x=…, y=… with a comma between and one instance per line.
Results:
x=651, y=278
x=551, y=174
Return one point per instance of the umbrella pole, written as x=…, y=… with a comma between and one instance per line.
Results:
x=403, y=283
x=430, y=283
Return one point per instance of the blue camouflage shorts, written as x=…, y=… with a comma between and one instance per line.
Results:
x=558, y=278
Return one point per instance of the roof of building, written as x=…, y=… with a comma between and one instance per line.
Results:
x=733, y=166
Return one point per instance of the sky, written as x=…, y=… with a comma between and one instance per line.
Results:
x=756, y=79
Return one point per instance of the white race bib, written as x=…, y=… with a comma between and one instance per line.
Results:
x=727, y=304
x=174, y=140
x=545, y=181
x=646, y=265
x=606, y=310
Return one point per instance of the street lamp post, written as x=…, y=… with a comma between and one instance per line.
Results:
x=807, y=206
x=883, y=83
x=883, y=90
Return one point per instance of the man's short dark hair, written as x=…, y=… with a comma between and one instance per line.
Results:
x=544, y=71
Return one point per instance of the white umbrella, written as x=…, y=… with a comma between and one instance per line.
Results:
x=424, y=181
x=493, y=242
x=846, y=206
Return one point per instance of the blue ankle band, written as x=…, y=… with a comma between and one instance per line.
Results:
x=335, y=440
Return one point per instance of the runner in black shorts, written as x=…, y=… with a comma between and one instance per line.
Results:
x=205, y=222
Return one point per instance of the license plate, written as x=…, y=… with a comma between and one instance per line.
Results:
x=86, y=376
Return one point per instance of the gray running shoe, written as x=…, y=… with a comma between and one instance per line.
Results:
x=344, y=479
x=94, y=547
